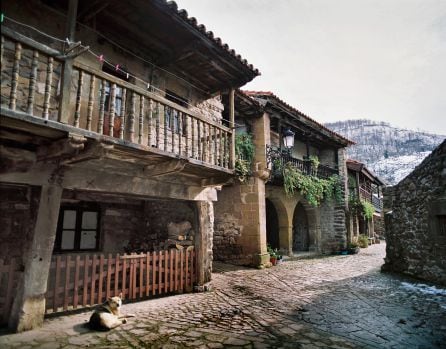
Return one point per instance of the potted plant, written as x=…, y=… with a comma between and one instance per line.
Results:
x=272, y=255
x=353, y=248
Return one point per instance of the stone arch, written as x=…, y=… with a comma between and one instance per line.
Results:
x=272, y=225
x=305, y=222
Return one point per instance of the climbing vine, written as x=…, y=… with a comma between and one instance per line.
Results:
x=244, y=151
x=314, y=189
x=361, y=207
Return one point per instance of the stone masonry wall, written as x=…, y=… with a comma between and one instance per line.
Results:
x=18, y=212
x=415, y=224
x=228, y=226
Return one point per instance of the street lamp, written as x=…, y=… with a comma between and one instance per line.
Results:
x=288, y=138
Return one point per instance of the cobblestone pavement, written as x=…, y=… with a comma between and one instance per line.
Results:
x=325, y=302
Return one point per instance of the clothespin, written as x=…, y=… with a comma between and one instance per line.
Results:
x=127, y=76
x=101, y=58
x=2, y=17
x=117, y=67
x=148, y=86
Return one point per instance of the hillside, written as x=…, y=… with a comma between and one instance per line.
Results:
x=391, y=152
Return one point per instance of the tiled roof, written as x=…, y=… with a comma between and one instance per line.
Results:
x=192, y=21
x=361, y=167
x=271, y=94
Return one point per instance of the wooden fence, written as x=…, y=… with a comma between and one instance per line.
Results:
x=82, y=280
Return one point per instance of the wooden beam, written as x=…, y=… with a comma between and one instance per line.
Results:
x=15, y=159
x=232, y=126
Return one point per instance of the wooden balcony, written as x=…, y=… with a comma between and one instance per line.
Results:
x=278, y=158
x=104, y=108
x=367, y=195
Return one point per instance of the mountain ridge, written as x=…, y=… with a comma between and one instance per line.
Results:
x=391, y=152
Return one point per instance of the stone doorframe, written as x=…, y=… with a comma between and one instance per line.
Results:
x=285, y=207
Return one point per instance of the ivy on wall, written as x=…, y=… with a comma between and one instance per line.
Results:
x=361, y=207
x=312, y=188
x=244, y=153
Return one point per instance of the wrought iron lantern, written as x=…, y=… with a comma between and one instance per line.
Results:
x=288, y=138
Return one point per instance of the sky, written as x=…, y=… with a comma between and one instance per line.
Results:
x=383, y=60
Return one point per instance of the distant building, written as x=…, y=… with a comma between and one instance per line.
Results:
x=416, y=220
x=364, y=186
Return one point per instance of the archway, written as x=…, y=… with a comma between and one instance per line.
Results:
x=272, y=225
x=301, y=232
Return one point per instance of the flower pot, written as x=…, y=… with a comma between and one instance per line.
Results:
x=273, y=260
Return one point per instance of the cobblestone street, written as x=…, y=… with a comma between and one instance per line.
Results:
x=324, y=302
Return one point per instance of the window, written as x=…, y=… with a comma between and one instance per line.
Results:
x=78, y=229
x=172, y=116
x=118, y=92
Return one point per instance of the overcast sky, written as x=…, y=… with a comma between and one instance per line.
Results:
x=383, y=60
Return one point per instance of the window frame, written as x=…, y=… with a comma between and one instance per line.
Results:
x=80, y=210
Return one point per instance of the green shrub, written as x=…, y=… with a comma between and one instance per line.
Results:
x=363, y=241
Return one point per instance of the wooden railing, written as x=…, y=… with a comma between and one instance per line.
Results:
x=106, y=105
x=278, y=158
x=368, y=196
x=82, y=280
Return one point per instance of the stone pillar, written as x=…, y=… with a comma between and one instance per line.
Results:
x=203, y=241
x=29, y=304
x=286, y=238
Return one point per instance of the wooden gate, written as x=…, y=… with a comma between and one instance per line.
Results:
x=82, y=280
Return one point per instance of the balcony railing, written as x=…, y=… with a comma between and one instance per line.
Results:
x=277, y=158
x=105, y=105
x=374, y=200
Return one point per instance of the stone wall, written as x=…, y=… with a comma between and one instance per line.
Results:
x=378, y=224
x=18, y=212
x=416, y=223
x=228, y=227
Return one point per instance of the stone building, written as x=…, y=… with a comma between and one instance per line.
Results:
x=415, y=220
x=364, y=186
x=257, y=212
x=112, y=141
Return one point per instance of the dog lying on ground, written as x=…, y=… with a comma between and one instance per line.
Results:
x=108, y=315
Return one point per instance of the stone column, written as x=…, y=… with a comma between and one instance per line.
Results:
x=29, y=304
x=203, y=241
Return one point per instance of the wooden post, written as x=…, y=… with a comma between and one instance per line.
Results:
x=205, y=219
x=232, y=126
x=29, y=303
x=67, y=71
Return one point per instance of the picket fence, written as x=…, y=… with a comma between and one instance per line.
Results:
x=83, y=280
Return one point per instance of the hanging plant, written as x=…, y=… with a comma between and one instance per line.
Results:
x=314, y=160
x=364, y=208
x=244, y=152
x=312, y=188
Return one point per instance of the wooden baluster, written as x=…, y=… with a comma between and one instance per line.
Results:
x=149, y=126
x=225, y=151
x=101, y=108
x=158, y=130
x=166, y=110
x=15, y=76
x=90, y=102
x=192, y=139
x=141, y=119
x=77, y=113
x=173, y=130
x=215, y=146
x=198, y=140
x=204, y=152
x=210, y=143
x=46, y=96
x=186, y=136
x=32, y=82
x=122, y=113
x=111, y=116
x=180, y=131
x=132, y=117
x=1, y=52
x=220, y=145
